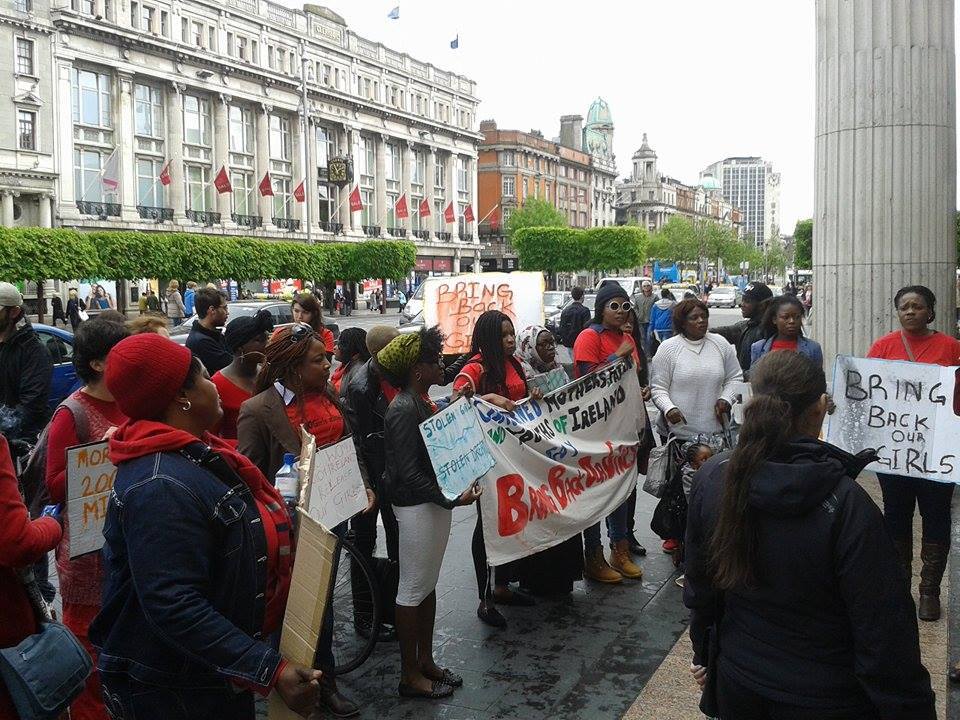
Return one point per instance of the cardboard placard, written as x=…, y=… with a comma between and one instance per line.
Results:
x=90, y=476
x=457, y=449
x=336, y=492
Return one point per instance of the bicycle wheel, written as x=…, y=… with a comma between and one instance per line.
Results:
x=354, y=602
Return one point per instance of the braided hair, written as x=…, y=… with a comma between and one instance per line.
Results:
x=282, y=358
x=487, y=342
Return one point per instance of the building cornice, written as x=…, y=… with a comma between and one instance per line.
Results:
x=26, y=21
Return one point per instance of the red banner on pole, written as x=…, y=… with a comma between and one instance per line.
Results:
x=468, y=214
x=222, y=181
x=400, y=208
x=495, y=219
x=424, y=208
x=448, y=215
x=356, y=202
x=165, y=174
x=299, y=193
x=266, y=185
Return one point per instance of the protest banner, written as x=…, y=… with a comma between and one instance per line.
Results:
x=904, y=410
x=549, y=381
x=455, y=303
x=90, y=476
x=336, y=486
x=563, y=463
x=456, y=446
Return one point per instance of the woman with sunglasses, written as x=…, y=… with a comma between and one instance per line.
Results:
x=294, y=392
x=602, y=342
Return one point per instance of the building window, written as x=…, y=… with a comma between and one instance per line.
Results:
x=91, y=98
x=87, y=164
x=367, y=180
x=24, y=58
x=26, y=130
x=198, y=188
x=439, y=174
x=83, y=6
x=196, y=121
x=244, y=200
x=149, y=187
x=23, y=6
x=148, y=111
x=507, y=158
x=509, y=187
x=241, y=130
x=279, y=138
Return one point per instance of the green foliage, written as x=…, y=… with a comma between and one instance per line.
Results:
x=614, y=248
x=535, y=213
x=380, y=259
x=41, y=253
x=556, y=249
x=803, y=243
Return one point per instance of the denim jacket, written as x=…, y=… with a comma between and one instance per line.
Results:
x=185, y=558
x=805, y=346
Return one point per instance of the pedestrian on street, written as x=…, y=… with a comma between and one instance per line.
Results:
x=153, y=302
x=89, y=414
x=783, y=328
x=916, y=342
x=783, y=544
x=306, y=309
x=601, y=342
x=23, y=542
x=175, y=308
x=293, y=392
x=142, y=306
x=246, y=338
x=186, y=604
x=744, y=334
x=206, y=338
x=401, y=299
x=75, y=306
x=573, y=318
x=188, y=298
x=413, y=362
x=661, y=320
x=644, y=304
x=351, y=353
x=56, y=303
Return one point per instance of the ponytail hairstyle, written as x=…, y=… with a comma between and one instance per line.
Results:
x=785, y=385
x=769, y=322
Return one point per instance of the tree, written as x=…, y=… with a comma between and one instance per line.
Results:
x=803, y=243
x=535, y=213
x=555, y=249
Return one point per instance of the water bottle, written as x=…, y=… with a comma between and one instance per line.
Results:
x=287, y=481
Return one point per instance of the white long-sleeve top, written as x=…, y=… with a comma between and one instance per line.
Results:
x=691, y=376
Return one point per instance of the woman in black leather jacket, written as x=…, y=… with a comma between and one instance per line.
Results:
x=423, y=512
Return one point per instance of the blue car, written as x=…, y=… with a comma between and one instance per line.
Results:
x=59, y=343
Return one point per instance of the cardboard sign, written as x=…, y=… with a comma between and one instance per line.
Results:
x=563, y=463
x=456, y=447
x=455, y=303
x=904, y=410
x=549, y=381
x=336, y=487
x=90, y=476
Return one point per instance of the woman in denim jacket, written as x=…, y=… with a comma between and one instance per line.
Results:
x=198, y=553
x=783, y=330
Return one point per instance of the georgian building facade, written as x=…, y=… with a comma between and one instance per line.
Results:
x=145, y=91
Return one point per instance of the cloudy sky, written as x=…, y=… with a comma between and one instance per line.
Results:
x=705, y=79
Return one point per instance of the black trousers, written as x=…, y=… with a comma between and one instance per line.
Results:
x=486, y=576
x=364, y=528
x=902, y=494
x=739, y=703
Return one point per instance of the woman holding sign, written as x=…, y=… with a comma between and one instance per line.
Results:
x=413, y=362
x=916, y=342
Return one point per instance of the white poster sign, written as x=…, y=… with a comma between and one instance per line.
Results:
x=456, y=447
x=336, y=487
x=904, y=410
x=90, y=476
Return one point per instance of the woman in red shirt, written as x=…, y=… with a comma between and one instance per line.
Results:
x=246, y=337
x=306, y=309
x=916, y=342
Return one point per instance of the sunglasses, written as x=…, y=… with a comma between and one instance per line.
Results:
x=615, y=306
x=301, y=331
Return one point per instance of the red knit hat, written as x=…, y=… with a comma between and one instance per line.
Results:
x=145, y=372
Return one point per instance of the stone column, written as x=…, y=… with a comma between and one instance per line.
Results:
x=6, y=208
x=63, y=139
x=178, y=176
x=310, y=186
x=264, y=203
x=46, y=215
x=885, y=166
x=451, y=172
x=298, y=211
x=380, y=183
x=126, y=194
x=429, y=181
x=221, y=152
x=456, y=261
x=344, y=146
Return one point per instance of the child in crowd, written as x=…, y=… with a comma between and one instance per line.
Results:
x=695, y=454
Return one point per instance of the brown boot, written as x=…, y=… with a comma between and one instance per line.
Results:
x=596, y=568
x=621, y=561
x=333, y=701
x=904, y=548
x=934, y=558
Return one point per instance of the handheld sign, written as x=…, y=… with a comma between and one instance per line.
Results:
x=457, y=449
x=90, y=476
x=336, y=487
x=549, y=381
x=904, y=410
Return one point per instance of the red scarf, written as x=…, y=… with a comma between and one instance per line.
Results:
x=137, y=438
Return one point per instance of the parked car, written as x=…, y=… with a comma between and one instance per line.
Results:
x=59, y=344
x=724, y=296
x=281, y=312
x=414, y=305
x=553, y=300
x=681, y=291
x=552, y=321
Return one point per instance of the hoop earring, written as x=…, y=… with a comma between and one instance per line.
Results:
x=186, y=407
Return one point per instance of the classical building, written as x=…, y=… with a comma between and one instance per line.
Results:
x=649, y=198
x=751, y=184
x=574, y=172
x=147, y=100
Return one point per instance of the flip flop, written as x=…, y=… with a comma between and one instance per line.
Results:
x=437, y=691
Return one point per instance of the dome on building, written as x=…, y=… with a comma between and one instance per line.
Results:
x=645, y=150
x=709, y=182
x=599, y=113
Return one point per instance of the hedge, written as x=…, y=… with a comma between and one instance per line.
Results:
x=558, y=249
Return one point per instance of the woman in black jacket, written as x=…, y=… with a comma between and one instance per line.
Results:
x=800, y=607
x=423, y=513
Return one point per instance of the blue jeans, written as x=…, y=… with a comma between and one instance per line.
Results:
x=127, y=699
x=616, y=529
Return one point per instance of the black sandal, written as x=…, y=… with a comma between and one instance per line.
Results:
x=449, y=677
x=438, y=690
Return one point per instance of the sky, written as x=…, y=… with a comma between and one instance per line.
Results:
x=705, y=79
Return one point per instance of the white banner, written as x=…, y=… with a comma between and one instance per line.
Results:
x=336, y=487
x=904, y=410
x=563, y=463
x=455, y=303
x=90, y=476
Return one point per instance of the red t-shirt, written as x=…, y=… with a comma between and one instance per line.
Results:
x=933, y=349
x=232, y=396
x=593, y=349
x=472, y=372
x=322, y=418
x=790, y=345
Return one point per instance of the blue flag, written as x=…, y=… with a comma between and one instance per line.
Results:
x=395, y=13
x=455, y=43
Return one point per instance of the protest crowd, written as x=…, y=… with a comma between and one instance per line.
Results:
x=797, y=584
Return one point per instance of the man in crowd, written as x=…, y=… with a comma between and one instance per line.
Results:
x=574, y=318
x=189, y=298
x=644, y=303
x=743, y=334
x=206, y=339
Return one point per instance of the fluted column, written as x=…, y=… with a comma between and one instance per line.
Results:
x=472, y=179
x=126, y=194
x=264, y=204
x=6, y=208
x=221, y=152
x=344, y=145
x=46, y=216
x=885, y=186
x=406, y=174
x=429, y=181
x=310, y=187
x=175, y=189
x=380, y=183
x=451, y=188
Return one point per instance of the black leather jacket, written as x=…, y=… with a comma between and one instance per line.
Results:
x=366, y=408
x=409, y=478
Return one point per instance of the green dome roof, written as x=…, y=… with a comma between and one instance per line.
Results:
x=599, y=113
x=709, y=182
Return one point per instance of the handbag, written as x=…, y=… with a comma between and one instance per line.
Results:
x=660, y=465
x=84, y=315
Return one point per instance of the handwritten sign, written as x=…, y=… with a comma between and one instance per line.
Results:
x=455, y=303
x=90, y=476
x=904, y=410
x=549, y=381
x=457, y=450
x=336, y=487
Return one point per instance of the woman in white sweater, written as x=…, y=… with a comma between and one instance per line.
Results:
x=693, y=375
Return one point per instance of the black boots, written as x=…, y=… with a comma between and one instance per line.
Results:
x=904, y=548
x=934, y=558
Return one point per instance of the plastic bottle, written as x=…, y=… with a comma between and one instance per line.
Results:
x=287, y=481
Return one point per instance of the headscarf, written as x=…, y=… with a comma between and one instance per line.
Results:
x=400, y=354
x=527, y=342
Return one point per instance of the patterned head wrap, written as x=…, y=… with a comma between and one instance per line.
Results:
x=527, y=342
x=400, y=354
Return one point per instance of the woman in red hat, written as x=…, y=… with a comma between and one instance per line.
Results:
x=197, y=554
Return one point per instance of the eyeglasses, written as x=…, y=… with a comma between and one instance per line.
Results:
x=615, y=306
x=301, y=331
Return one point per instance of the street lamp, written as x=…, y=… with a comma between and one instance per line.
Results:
x=709, y=184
